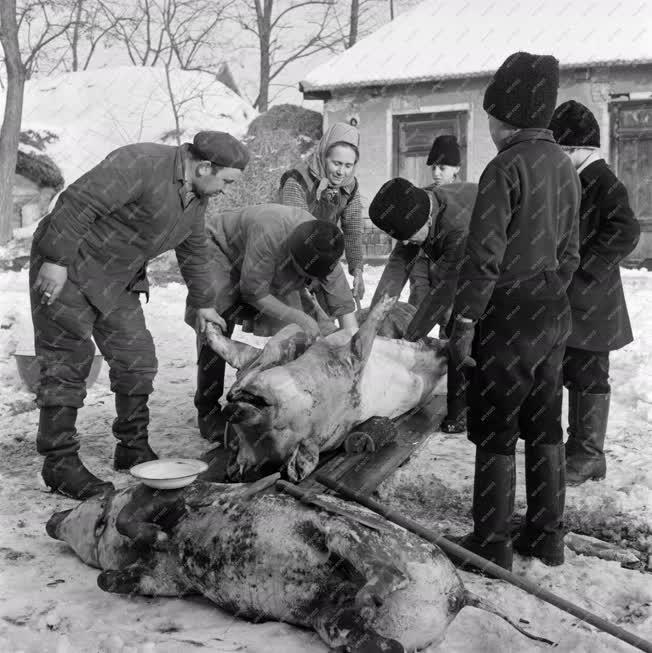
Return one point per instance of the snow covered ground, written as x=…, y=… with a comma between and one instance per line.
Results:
x=49, y=601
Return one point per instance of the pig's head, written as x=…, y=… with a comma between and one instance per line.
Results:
x=285, y=402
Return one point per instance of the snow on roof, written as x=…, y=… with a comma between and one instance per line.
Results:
x=96, y=111
x=439, y=40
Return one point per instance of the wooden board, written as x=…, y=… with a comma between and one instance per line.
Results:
x=365, y=472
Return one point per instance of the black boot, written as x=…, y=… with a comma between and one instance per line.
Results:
x=456, y=401
x=542, y=535
x=587, y=428
x=493, y=506
x=210, y=387
x=63, y=471
x=130, y=428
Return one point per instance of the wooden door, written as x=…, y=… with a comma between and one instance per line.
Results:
x=413, y=138
x=631, y=147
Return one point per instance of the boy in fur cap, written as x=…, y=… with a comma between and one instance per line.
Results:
x=608, y=232
x=511, y=313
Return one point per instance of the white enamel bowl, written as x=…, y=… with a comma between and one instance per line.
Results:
x=168, y=473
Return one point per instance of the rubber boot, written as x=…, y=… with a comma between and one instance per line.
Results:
x=130, y=428
x=455, y=420
x=587, y=417
x=542, y=535
x=210, y=387
x=493, y=506
x=63, y=471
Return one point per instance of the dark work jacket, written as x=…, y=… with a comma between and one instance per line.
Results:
x=609, y=231
x=128, y=209
x=437, y=260
x=524, y=222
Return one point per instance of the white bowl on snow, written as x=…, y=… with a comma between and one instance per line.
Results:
x=168, y=473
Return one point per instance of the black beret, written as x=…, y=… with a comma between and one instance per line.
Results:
x=399, y=208
x=523, y=91
x=221, y=149
x=574, y=125
x=445, y=151
x=316, y=247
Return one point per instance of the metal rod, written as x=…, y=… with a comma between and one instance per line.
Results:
x=496, y=571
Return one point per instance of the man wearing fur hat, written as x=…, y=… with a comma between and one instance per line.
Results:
x=431, y=226
x=609, y=232
x=87, y=269
x=511, y=314
x=444, y=160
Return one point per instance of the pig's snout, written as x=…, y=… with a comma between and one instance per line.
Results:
x=53, y=524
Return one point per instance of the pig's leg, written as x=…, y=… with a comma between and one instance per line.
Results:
x=236, y=354
x=363, y=340
x=365, y=554
x=343, y=629
x=158, y=575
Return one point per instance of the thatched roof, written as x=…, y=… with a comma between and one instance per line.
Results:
x=40, y=169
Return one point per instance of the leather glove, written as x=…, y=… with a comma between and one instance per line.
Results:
x=460, y=341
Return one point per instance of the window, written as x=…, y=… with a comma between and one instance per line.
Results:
x=413, y=138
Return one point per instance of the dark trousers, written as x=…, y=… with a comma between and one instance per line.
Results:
x=586, y=371
x=210, y=377
x=457, y=384
x=65, y=350
x=515, y=390
x=456, y=387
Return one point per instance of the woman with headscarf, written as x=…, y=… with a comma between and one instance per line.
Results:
x=326, y=187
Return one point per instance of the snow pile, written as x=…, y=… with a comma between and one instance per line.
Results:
x=96, y=111
x=49, y=601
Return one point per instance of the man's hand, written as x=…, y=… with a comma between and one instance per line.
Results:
x=310, y=326
x=50, y=281
x=459, y=344
x=358, y=284
x=206, y=315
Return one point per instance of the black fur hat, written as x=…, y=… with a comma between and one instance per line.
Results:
x=399, y=208
x=574, y=125
x=523, y=91
x=316, y=247
x=445, y=151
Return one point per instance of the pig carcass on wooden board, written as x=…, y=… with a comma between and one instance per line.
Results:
x=298, y=397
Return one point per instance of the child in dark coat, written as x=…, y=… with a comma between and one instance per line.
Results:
x=608, y=232
x=511, y=314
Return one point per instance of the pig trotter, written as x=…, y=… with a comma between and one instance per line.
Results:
x=124, y=581
x=359, y=442
x=374, y=434
x=343, y=629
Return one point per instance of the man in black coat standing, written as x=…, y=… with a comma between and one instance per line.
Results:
x=609, y=231
x=511, y=314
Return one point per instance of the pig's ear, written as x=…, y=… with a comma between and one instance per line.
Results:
x=303, y=461
x=236, y=354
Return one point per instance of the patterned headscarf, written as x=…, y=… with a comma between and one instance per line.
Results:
x=340, y=132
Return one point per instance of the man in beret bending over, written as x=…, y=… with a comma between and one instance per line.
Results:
x=87, y=269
